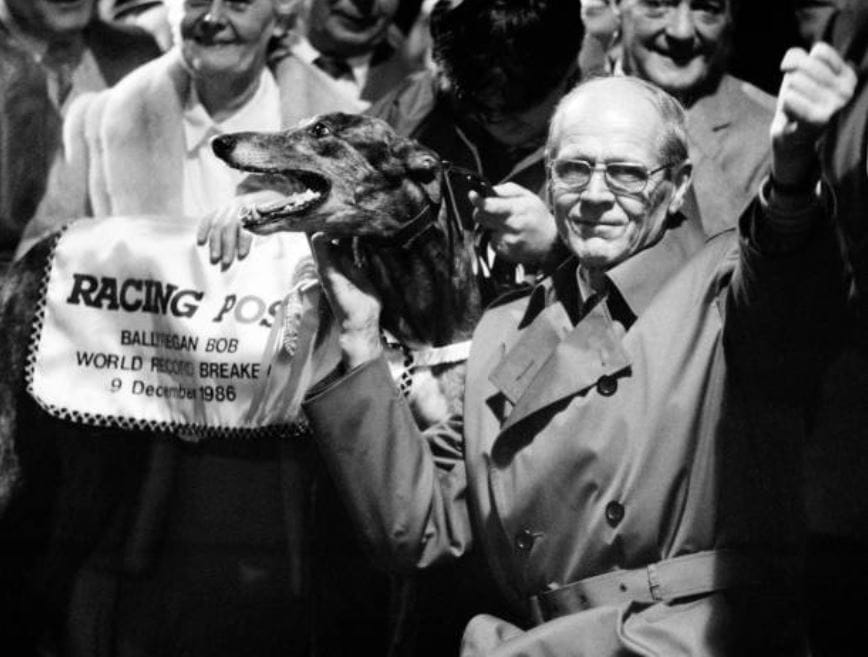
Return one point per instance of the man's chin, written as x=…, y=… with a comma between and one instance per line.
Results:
x=680, y=81
x=65, y=18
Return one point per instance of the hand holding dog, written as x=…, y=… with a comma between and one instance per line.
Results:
x=223, y=232
x=816, y=85
x=522, y=228
x=353, y=302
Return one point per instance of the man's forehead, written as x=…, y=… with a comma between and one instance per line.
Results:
x=611, y=115
x=612, y=98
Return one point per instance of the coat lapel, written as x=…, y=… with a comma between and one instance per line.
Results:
x=591, y=350
x=552, y=359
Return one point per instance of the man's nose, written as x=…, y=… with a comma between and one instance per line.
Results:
x=597, y=190
x=680, y=24
x=214, y=20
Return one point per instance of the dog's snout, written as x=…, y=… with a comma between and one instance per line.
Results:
x=223, y=145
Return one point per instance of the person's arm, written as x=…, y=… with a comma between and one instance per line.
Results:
x=787, y=288
x=405, y=490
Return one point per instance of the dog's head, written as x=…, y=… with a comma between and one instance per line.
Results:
x=343, y=174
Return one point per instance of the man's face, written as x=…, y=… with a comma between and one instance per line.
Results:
x=226, y=37
x=52, y=17
x=676, y=44
x=602, y=227
x=348, y=27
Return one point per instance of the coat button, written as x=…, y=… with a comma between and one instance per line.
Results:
x=614, y=513
x=524, y=540
x=607, y=385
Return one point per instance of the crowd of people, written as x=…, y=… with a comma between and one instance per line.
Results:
x=663, y=436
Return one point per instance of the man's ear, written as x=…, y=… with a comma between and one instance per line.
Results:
x=681, y=179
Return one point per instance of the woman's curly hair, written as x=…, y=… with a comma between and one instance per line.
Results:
x=513, y=51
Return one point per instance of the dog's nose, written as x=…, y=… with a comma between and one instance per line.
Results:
x=223, y=145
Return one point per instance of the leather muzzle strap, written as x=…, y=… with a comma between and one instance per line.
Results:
x=670, y=579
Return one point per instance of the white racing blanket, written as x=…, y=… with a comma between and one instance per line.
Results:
x=137, y=329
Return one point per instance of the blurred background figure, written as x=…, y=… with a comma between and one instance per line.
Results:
x=150, y=15
x=683, y=46
x=341, y=56
x=417, y=45
x=600, y=48
x=500, y=69
x=74, y=52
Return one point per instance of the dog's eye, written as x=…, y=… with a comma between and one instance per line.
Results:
x=320, y=129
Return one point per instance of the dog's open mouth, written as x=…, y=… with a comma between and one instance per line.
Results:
x=304, y=190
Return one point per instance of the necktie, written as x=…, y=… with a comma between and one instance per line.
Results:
x=60, y=63
x=334, y=67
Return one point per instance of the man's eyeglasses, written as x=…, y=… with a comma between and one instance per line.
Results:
x=621, y=177
x=706, y=10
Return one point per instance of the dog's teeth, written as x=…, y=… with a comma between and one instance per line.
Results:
x=289, y=204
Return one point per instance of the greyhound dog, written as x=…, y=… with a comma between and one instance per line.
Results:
x=387, y=199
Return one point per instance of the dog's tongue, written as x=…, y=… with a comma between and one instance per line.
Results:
x=291, y=203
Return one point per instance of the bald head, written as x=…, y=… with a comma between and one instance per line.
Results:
x=626, y=99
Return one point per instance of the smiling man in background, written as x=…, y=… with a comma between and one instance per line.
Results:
x=682, y=46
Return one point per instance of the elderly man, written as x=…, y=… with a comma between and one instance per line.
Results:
x=682, y=46
x=628, y=458
x=71, y=52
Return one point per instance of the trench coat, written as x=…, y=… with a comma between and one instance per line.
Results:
x=605, y=437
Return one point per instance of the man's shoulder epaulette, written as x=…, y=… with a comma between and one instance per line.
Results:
x=505, y=298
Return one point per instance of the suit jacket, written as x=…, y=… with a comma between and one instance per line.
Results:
x=730, y=149
x=659, y=424
x=30, y=125
x=307, y=90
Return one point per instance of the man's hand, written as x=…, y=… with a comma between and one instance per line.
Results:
x=816, y=85
x=223, y=232
x=522, y=229
x=353, y=302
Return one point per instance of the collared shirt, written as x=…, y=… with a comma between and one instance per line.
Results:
x=84, y=75
x=208, y=182
x=360, y=65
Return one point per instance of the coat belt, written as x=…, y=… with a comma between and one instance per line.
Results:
x=670, y=579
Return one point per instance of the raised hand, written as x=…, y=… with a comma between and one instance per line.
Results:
x=816, y=85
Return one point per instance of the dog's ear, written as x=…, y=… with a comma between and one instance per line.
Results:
x=420, y=163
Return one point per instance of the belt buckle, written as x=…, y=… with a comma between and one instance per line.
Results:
x=654, y=585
